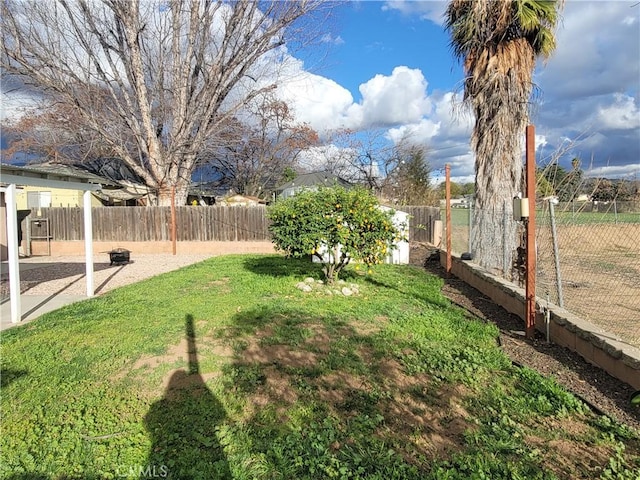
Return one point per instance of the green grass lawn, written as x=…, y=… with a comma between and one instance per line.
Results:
x=225, y=369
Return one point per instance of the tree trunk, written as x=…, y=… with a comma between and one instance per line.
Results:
x=499, y=93
x=181, y=191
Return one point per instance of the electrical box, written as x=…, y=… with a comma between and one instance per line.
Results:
x=520, y=209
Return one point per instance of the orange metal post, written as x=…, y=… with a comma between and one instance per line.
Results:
x=447, y=189
x=173, y=219
x=530, y=290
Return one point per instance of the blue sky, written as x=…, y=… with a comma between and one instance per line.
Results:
x=374, y=39
x=385, y=58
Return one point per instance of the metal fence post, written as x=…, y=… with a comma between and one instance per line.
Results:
x=530, y=225
x=556, y=253
x=471, y=207
x=505, y=253
x=447, y=170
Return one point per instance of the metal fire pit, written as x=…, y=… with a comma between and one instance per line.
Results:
x=119, y=255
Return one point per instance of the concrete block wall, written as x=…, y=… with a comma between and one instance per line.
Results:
x=594, y=344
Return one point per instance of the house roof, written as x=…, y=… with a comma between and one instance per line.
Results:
x=49, y=168
x=35, y=175
x=110, y=189
x=113, y=169
x=238, y=199
x=314, y=179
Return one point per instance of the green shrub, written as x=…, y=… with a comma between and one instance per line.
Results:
x=348, y=224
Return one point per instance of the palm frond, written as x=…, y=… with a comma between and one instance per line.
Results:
x=479, y=24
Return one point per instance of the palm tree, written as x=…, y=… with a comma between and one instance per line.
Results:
x=498, y=42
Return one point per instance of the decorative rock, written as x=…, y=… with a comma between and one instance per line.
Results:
x=320, y=287
x=304, y=287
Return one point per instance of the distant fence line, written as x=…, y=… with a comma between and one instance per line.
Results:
x=193, y=223
x=613, y=206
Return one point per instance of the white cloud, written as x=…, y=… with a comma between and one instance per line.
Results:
x=422, y=132
x=327, y=38
x=540, y=141
x=597, y=51
x=317, y=158
x=623, y=114
x=431, y=10
x=630, y=171
x=590, y=95
x=397, y=99
x=318, y=101
x=392, y=100
x=16, y=99
x=340, y=160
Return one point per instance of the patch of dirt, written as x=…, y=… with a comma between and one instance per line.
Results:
x=593, y=385
x=174, y=354
x=150, y=362
x=600, y=271
x=281, y=355
x=423, y=417
x=334, y=387
x=437, y=419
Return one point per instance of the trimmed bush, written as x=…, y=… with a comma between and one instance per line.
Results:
x=335, y=225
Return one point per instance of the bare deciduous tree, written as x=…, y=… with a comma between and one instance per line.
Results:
x=251, y=156
x=53, y=133
x=153, y=80
x=397, y=172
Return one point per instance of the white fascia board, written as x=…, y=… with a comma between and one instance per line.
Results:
x=48, y=182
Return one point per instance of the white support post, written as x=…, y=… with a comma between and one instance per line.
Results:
x=88, y=243
x=13, y=255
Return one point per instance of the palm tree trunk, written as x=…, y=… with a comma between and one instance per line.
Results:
x=499, y=94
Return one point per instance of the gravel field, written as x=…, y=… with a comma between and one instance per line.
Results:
x=66, y=274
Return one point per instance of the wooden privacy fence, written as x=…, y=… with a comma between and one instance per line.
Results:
x=193, y=223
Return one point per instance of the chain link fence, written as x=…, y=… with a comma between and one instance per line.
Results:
x=588, y=260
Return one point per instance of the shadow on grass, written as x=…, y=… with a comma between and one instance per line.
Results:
x=279, y=266
x=8, y=375
x=322, y=391
x=183, y=425
x=284, y=354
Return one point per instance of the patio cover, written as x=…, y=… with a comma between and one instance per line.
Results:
x=10, y=177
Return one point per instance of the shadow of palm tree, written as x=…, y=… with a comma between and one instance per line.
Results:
x=183, y=426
